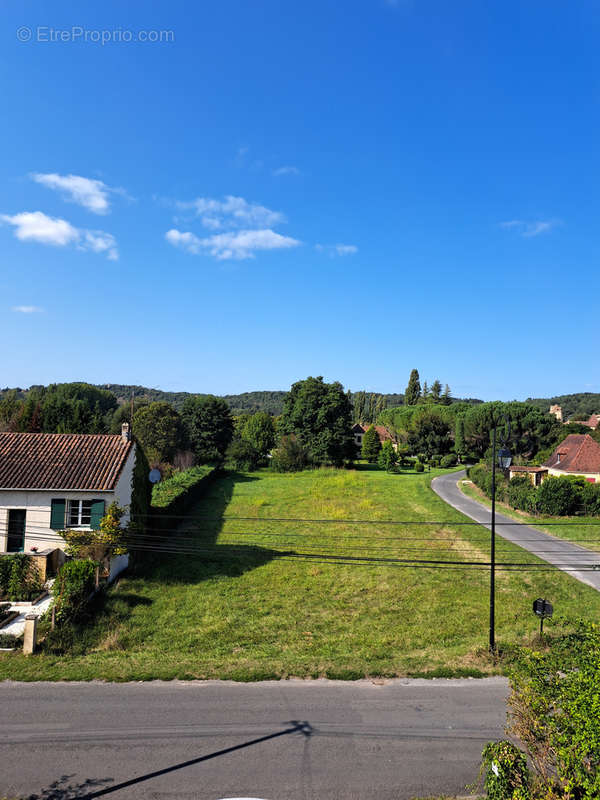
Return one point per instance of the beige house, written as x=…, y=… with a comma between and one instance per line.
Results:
x=578, y=454
x=361, y=428
x=53, y=481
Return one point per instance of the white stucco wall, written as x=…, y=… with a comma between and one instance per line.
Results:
x=38, y=503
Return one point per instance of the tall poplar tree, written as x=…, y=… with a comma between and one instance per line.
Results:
x=413, y=390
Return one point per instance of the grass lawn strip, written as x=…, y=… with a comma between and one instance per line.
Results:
x=247, y=609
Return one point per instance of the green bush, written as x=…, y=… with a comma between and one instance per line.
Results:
x=555, y=704
x=19, y=577
x=481, y=476
x=559, y=497
x=388, y=458
x=419, y=466
x=289, y=456
x=590, y=499
x=522, y=494
x=73, y=588
x=9, y=640
x=448, y=461
x=242, y=455
x=507, y=776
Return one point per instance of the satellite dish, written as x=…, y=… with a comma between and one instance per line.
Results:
x=154, y=476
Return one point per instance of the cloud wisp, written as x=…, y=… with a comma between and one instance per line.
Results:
x=35, y=226
x=337, y=249
x=234, y=245
x=89, y=193
x=232, y=212
x=530, y=229
x=286, y=170
x=27, y=309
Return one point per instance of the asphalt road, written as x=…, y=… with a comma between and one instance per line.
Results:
x=288, y=740
x=571, y=558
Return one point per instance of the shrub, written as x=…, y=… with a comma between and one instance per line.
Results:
x=242, y=455
x=558, y=497
x=9, y=640
x=521, y=494
x=590, y=498
x=507, y=776
x=73, y=587
x=448, y=461
x=290, y=456
x=434, y=461
x=419, y=466
x=554, y=704
x=19, y=577
x=371, y=445
x=4, y=611
x=388, y=458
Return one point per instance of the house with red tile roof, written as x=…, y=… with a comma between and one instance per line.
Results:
x=361, y=428
x=54, y=481
x=578, y=454
x=592, y=422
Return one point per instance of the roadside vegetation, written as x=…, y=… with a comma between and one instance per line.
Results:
x=579, y=529
x=246, y=596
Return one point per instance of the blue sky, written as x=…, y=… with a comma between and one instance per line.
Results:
x=280, y=189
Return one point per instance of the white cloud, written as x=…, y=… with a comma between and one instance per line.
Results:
x=232, y=245
x=87, y=192
x=27, y=309
x=286, y=171
x=232, y=212
x=337, y=249
x=35, y=226
x=529, y=229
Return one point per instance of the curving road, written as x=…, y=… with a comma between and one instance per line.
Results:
x=571, y=558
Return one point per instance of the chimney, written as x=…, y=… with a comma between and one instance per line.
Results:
x=125, y=434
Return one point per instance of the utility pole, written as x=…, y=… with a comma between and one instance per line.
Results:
x=493, y=552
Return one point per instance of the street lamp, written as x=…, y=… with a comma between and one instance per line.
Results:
x=504, y=461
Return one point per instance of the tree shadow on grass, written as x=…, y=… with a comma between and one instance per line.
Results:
x=186, y=553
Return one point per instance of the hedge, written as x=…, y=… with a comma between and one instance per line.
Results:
x=19, y=577
x=73, y=587
x=554, y=713
x=174, y=496
x=561, y=496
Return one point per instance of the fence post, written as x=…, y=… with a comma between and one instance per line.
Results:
x=30, y=634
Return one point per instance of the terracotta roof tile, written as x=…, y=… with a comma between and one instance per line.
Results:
x=577, y=453
x=61, y=460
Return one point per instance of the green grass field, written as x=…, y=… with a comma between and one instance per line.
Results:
x=262, y=598
x=581, y=530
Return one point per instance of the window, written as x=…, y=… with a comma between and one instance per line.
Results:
x=79, y=513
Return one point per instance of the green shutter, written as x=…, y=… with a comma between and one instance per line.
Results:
x=97, y=514
x=57, y=515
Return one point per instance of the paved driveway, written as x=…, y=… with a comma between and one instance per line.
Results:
x=576, y=560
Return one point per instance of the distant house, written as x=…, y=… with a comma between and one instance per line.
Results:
x=535, y=474
x=592, y=422
x=53, y=481
x=578, y=454
x=361, y=428
x=556, y=411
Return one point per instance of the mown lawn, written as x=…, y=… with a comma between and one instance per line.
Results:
x=581, y=530
x=263, y=599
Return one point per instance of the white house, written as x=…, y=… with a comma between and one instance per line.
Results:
x=53, y=481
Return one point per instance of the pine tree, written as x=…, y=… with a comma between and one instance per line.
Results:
x=446, y=399
x=371, y=445
x=413, y=390
x=436, y=391
x=425, y=392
